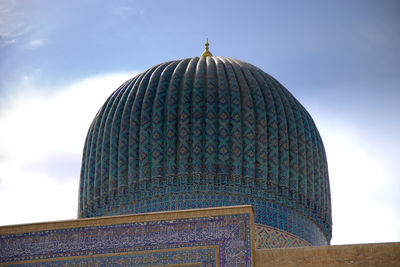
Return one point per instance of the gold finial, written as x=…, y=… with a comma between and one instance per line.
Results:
x=206, y=53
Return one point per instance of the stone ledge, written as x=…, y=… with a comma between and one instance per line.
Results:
x=376, y=254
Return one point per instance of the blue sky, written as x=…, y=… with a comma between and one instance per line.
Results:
x=59, y=60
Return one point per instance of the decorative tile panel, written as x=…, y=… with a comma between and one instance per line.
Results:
x=208, y=237
x=271, y=237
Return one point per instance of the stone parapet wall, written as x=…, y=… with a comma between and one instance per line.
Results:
x=377, y=254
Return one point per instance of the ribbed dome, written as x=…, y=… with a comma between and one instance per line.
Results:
x=204, y=132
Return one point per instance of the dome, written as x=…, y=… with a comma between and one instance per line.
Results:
x=208, y=132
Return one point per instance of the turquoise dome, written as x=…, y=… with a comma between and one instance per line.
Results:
x=207, y=132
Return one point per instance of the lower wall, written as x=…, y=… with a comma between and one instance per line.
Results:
x=202, y=237
x=378, y=254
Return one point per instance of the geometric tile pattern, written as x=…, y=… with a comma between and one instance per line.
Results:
x=204, y=126
x=270, y=237
x=266, y=213
x=198, y=256
x=213, y=240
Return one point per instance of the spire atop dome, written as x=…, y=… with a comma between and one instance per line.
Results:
x=206, y=53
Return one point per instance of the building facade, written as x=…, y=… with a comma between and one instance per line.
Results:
x=204, y=161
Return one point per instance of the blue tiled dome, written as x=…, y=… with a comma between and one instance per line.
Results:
x=206, y=132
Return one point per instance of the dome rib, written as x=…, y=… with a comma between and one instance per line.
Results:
x=248, y=128
x=197, y=120
x=106, y=147
x=297, y=169
x=260, y=124
x=210, y=115
x=171, y=126
x=115, y=141
x=123, y=143
x=223, y=116
x=143, y=127
x=184, y=123
x=283, y=146
x=272, y=128
x=158, y=141
x=122, y=158
x=236, y=124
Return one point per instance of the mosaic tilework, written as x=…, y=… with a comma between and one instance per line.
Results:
x=197, y=125
x=266, y=212
x=223, y=240
x=270, y=237
x=198, y=256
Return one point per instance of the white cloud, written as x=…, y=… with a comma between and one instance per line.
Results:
x=128, y=11
x=33, y=44
x=364, y=208
x=15, y=21
x=41, y=142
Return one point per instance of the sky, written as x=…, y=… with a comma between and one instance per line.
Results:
x=60, y=60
